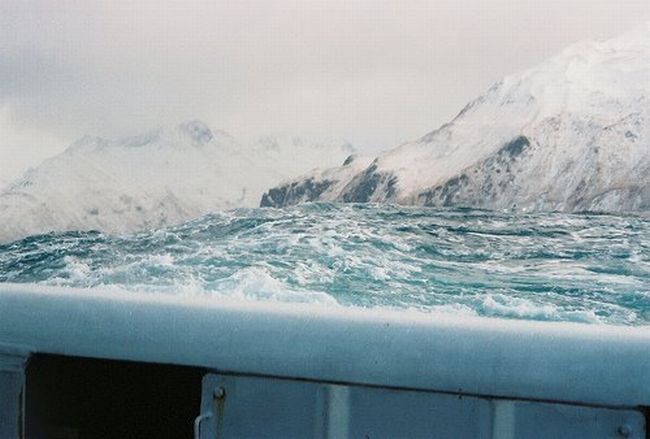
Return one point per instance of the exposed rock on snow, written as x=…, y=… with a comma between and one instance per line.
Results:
x=318, y=185
x=571, y=134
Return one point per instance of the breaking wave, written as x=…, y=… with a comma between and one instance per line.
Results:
x=586, y=268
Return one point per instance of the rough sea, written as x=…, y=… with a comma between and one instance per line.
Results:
x=561, y=267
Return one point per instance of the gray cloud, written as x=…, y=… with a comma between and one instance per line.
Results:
x=376, y=72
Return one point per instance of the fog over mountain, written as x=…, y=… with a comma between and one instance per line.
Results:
x=570, y=134
x=162, y=177
x=377, y=73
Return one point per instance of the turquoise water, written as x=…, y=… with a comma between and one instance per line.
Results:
x=586, y=267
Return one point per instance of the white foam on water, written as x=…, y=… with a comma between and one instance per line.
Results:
x=256, y=283
x=437, y=262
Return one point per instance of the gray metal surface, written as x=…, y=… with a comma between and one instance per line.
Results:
x=247, y=407
x=13, y=360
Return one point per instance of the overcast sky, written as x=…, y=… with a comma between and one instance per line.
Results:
x=374, y=72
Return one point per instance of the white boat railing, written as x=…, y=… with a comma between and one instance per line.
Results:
x=543, y=362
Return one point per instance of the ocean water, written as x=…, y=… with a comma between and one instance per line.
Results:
x=581, y=267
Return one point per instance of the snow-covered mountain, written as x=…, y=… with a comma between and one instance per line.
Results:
x=319, y=184
x=570, y=134
x=163, y=177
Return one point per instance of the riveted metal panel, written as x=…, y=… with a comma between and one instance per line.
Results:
x=237, y=406
x=553, y=421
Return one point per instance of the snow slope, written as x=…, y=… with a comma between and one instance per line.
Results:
x=163, y=177
x=570, y=134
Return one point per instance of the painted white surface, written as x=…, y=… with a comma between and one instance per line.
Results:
x=590, y=364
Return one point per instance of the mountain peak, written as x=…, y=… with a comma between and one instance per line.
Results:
x=197, y=131
x=570, y=134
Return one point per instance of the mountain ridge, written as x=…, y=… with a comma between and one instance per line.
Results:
x=570, y=134
x=165, y=176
